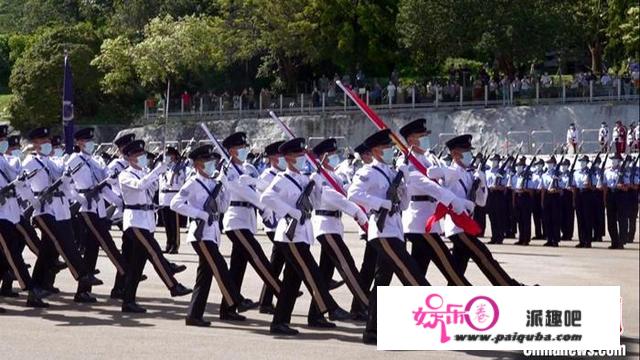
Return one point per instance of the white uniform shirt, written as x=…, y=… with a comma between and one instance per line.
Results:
x=48, y=173
x=572, y=136
x=190, y=200
x=281, y=196
x=137, y=189
x=369, y=190
x=11, y=211
x=241, y=189
x=414, y=218
x=330, y=200
x=603, y=135
x=459, y=181
x=264, y=180
x=88, y=176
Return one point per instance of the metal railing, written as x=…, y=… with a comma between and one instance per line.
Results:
x=409, y=98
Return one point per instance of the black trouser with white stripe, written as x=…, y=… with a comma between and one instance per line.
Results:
x=616, y=218
x=247, y=249
x=10, y=247
x=211, y=264
x=98, y=236
x=632, y=213
x=144, y=246
x=57, y=238
x=524, y=204
x=584, y=216
x=171, y=220
x=300, y=266
x=467, y=247
x=29, y=235
x=336, y=252
x=430, y=247
x=498, y=216
x=277, y=263
x=367, y=272
x=552, y=215
x=393, y=258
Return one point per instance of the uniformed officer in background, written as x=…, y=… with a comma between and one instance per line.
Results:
x=614, y=179
x=496, y=200
x=582, y=188
x=170, y=183
x=567, y=196
x=551, y=198
x=536, y=196
x=523, y=200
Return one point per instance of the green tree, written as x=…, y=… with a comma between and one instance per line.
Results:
x=36, y=77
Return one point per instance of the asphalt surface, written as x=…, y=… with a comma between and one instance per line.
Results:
x=68, y=330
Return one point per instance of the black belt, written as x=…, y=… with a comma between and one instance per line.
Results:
x=241, y=204
x=84, y=191
x=423, y=198
x=145, y=207
x=55, y=193
x=336, y=213
x=168, y=191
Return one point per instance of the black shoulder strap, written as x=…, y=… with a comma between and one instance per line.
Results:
x=466, y=191
x=6, y=178
x=86, y=162
x=293, y=181
x=134, y=174
x=204, y=186
x=382, y=172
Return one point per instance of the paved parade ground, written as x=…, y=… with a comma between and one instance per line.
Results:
x=73, y=331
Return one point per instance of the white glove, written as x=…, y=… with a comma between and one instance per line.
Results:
x=458, y=205
x=295, y=213
x=360, y=217
x=385, y=204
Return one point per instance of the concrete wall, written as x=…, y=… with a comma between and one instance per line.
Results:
x=489, y=126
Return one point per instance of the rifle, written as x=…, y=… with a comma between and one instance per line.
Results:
x=181, y=162
x=304, y=205
x=526, y=175
x=620, y=179
x=92, y=194
x=46, y=195
x=476, y=181
x=9, y=190
x=590, y=171
x=573, y=168
x=556, y=171
x=210, y=206
x=634, y=170
x=392, y=195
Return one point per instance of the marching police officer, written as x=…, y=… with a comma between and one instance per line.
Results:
x=369, y=190
x=138, y=222
x=204, y=235
x=293, y=237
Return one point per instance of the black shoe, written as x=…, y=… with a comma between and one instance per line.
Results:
x=180, y=290
x=196, y=322
x=173, y=251
x=321, y=322
x=143, y=278
x=548, y=243
x=96, y=271
x=333, y=284
x=133, y=308
x=2, y=311
x=360, y=316
x=8, y=293
x=36, y=302
x=231, y=316
x=369, y=337
x=247, y=304
x=89, y=280
x=59, y=265
x=587, y=246
x=117, y=294
x=52, y=289
x=598, y=239
x=265, y=309
x=339, y=314
x=41, y=293
x=580, y=245
x=176, y=269
x=283, y=329
x=167, y=249
x=555, y=244
x=85, y=298
x=300, y=293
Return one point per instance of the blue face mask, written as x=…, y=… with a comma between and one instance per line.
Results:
x=58, y=152
x=16, y=152
x=210, y=167
x=467, y=158
x=4, y=145
x=45, y=149
x=334, y=160
x=142, y=161
x=282, y=164
x=425, y=143
x=387, y=155
x=300, y=162
x=89, y=146
x=242, y=153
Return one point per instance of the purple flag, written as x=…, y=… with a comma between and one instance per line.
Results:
x=67, y=106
